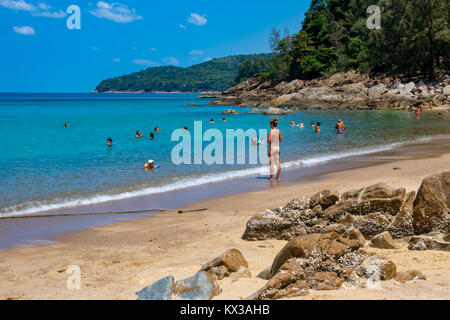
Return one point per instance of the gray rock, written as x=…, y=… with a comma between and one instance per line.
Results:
x=160, y=290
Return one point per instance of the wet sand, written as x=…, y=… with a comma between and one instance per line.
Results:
x=120, y=259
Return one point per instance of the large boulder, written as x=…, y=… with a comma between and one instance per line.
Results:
x=431, y=207
x=409, y=275
x=160, y=290
x=226, y=264
x=376, y=91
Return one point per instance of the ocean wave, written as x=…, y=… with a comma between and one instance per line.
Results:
x=189, y=182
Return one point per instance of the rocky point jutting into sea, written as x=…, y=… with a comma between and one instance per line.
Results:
x=351, y=90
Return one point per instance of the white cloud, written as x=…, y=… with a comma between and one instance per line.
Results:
x=116, y=60
x=26, y=30
x=116, y=12
x=49, y=14
x=197, y=19
x=17, y=5
x=182, y=26
x=196, y=52
x=144, y=62
x=171, y=61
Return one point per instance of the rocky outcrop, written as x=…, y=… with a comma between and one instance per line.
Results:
x=271, y=111
x=371, y=211
x=431, y=207
x=351, y=90
x=322, y=262
x=200, y=286
x=230, y=111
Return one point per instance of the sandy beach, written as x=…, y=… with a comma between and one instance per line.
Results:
x=120, y=259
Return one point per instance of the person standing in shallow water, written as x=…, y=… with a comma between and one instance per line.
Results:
x=274, y=140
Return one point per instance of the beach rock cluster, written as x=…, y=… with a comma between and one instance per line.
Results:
x=378, y=212
x=351, y=90
x=201, y=286
x=326, y=261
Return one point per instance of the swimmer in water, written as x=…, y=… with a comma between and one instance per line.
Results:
x=312, y=125
x=109, y=142
x=66, y=125
x=318, y=128
x=211, y=121
x=292, y=124
x=439, y=115
x=340, y=127
x=224, y=120
x=156, y=129
x=301, y=125
x=274, y=140
x=152, y=135
x=139, y=134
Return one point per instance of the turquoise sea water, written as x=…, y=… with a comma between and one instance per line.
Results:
x=44, y=165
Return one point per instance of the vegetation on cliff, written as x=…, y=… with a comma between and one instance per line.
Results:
x=214, y=75
x=414, y=39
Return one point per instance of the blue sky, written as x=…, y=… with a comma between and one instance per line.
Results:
x=40, y=54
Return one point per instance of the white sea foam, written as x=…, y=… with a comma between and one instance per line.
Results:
x=213, y=177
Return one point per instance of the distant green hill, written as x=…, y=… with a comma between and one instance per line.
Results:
x=214, y=75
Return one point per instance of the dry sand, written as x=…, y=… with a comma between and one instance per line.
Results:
x=118, y=260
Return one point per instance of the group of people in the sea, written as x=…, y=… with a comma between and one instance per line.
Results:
x=274, y=139
x=418, y=108
x=340, y=126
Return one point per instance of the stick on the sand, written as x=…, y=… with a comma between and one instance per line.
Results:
x=196, y=210
x=79, y=214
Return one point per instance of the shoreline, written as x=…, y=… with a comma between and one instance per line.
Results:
x=25, y=232
x=120, y=259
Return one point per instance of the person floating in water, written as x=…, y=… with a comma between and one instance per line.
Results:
x=224, y=120
x=139, y=134
x=439, y=115
x=274, y=140
x=109, y=142
x=312, y=125
x=152, y=135
x=66, y=125
x=186, y=129
x=292, y=124
x=318, y=128
x=301, y=125
x=156, y=129
x=340, y=127
x=151, y=165
x=211, y=121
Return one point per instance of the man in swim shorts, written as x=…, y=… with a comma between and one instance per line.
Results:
x=340, y=127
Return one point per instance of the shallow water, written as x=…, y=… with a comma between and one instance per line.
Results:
x=44, y=165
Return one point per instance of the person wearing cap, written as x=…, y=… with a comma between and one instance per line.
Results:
x=149, y=165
